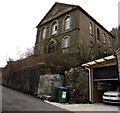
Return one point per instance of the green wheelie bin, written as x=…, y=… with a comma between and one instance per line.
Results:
x=62, y=94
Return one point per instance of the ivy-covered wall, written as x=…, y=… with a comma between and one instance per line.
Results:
x=77, y=83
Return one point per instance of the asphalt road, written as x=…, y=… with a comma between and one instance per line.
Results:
x=15, y=101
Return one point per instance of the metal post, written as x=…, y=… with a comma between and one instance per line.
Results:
x=117, y=54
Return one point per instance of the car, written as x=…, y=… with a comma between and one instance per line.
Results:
x=112, y=97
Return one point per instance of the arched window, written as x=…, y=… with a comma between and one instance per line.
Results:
x=54, y=28
x=52, y=45
x=104, y=38
x=38, y=36
x=43, y=33
x=109, y=41
x=98, y=34
x=67, y=22
x=90, y=28
x=66, y=42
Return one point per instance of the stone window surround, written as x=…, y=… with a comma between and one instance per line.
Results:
x=43, y=33
x=55, y=22
x=65, y=44
x=91, y=28
x=98, y=34
x=54, y=44
x=64, y=22
x=104, y=38
x=38, y=36
x=109, y=42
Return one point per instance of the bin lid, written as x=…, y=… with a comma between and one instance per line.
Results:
x=61, y=87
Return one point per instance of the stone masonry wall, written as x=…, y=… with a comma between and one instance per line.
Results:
x=25, y=80
x=36, y=81
x=77, y=83
x=48, y=85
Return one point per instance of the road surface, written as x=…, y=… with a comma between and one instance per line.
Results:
x=15, y=101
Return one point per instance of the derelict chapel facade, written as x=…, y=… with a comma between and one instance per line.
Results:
x=65, y=27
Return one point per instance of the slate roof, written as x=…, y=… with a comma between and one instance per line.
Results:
x=68, y=9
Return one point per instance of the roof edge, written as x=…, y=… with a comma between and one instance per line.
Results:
x=95, y=21
x=81, y=9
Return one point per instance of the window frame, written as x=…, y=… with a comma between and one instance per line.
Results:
x=98, y=34
x=67, y=23
x=54, y=28
x=91, y=28
x=38, y=39
x=43, y=33
x=104, y=38
x=110, y=42
x=66, y=42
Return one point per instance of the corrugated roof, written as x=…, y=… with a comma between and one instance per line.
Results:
x=98, y=61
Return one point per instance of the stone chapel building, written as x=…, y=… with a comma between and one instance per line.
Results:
x=66, y=28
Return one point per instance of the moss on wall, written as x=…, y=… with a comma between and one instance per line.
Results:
x=77, y=83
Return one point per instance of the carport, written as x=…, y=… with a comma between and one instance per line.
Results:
x=103, y=76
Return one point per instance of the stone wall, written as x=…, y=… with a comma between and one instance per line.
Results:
x=39, y=81
x=25, y=80
x=34, y=81
x=77, y=83
x=48, y=86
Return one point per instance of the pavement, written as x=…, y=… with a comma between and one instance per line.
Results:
x=86, y=107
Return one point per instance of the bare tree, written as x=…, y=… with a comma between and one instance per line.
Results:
x=85, y=52
x=29, y=52
x=20, y=53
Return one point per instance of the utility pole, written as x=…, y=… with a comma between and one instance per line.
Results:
x=119, y=36
x=117, y=54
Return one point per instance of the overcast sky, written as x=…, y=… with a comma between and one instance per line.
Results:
x=19, y=18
